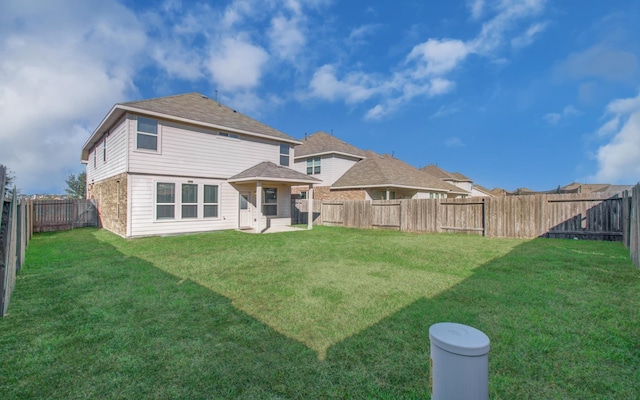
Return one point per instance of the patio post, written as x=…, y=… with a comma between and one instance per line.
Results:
x=310, y=210
x=258, y=206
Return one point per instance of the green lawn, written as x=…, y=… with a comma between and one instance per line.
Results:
x=328, y=313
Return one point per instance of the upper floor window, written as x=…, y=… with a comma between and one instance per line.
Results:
x=284, y=154
x=104, y=150
x=147, y=134
x=230, y=135
x=313, y=166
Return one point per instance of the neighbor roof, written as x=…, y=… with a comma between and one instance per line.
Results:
x=387, y=171
x=193, y=108
x=320, y=143
x=438, y=172
x=268, y=171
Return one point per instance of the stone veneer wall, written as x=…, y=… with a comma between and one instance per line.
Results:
x=324, y=193
x=111, y=195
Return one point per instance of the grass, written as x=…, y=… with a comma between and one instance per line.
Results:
x=328, y=313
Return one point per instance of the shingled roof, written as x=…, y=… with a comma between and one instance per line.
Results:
x=268, y=171
x=442, y=174
x=322, y=143
x=194, y=108
x=387, y=171
x=198, y=107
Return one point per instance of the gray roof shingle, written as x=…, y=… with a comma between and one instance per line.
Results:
x=267, y=170
x=377, y=170
x=199, y=108
x=322, y=143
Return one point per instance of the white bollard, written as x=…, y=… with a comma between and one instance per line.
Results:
x=459, y=362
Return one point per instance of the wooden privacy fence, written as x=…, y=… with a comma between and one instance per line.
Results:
x=596, y=216
x=59, y=215
x=15, y=233
x=632, y=236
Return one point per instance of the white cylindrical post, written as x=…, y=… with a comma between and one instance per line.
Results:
x=459, y=362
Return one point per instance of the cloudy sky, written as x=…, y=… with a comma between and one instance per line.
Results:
x=512, y=93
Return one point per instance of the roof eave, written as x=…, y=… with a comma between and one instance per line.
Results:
x=270, y=179
x=328, y=153
x=206, y=124
x=391, y=185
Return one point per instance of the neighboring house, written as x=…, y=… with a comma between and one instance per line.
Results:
x=187, y=163
x=576, y=187
x=480, y=191
x=348, y=173
x=453, y=178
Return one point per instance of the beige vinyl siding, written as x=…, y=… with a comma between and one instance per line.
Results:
x=116, y=155
x=332, y=167
x=143, y=201
x=198, y=152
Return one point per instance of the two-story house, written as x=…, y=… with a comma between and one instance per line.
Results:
x=187, y=163
x=348, y=173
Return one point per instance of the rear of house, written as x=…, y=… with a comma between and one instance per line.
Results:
x=166, y=166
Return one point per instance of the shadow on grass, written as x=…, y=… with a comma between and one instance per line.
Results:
x=87, y=321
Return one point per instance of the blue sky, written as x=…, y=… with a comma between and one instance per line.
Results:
x=529, y=93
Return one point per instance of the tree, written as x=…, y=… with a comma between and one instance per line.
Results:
x=77, y=185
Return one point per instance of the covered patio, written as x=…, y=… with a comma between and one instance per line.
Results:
x=265, y=193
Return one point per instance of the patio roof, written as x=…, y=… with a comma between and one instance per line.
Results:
x=270, y=172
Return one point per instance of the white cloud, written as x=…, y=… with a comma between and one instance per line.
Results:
x=454, y=142
x=448, y=109
x=600, y=62
x=437, y=57
x=476, y=7
x=528, y=37
x=618, y=159
x=60, y=71
x=555, y=118
x=425, y=69
x=236, y=64
x=354, y=88
x=287, y=37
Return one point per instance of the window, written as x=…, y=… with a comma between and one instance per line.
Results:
x=303, y=195
x=95, y=157
x=230, y=135
x=270, y=206
x=313, y=166
x=147, y=137
x=189, y=200
x=210, y=201
x=284, y=155
x=104, y=150
x=166, y=200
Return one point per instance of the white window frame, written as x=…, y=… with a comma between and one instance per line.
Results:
x=190, y=204
x=270, y=204
x=157, y=135
x=285, y=154
x=205, y=203
x=157, y=203
x=314, y=165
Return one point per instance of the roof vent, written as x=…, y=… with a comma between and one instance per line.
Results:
x=203, y=96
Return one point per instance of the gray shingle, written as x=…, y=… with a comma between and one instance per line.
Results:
x=377, y=170
x=322, y=142
x=267, y=170
x=199, y=108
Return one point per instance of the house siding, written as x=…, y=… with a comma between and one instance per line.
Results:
x=197, y=152
x=332, y=167
x=97, y=168
x=111, y=195
x=143, y=207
